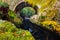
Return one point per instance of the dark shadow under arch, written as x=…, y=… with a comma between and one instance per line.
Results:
x=22, y=5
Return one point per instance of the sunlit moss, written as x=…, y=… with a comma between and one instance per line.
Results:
x=51, y=25
x=13, y=17
x=7, y=26
x=8, y=31
x=44, y=3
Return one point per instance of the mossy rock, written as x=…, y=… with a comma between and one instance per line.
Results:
x=6, y=26
x=8, y=31
x=14, y=18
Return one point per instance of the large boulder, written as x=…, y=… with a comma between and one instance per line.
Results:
x=8, y=31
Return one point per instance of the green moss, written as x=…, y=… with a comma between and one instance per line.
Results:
x=13, y=33
x=3, y=4
x=7, y=26
x=12, y=15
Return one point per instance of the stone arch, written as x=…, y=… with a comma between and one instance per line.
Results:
x=12, y=3
x=17, y=4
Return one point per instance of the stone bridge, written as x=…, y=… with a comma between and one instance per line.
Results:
x=13, y=4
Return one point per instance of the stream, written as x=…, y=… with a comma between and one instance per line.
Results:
x=38, y=32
